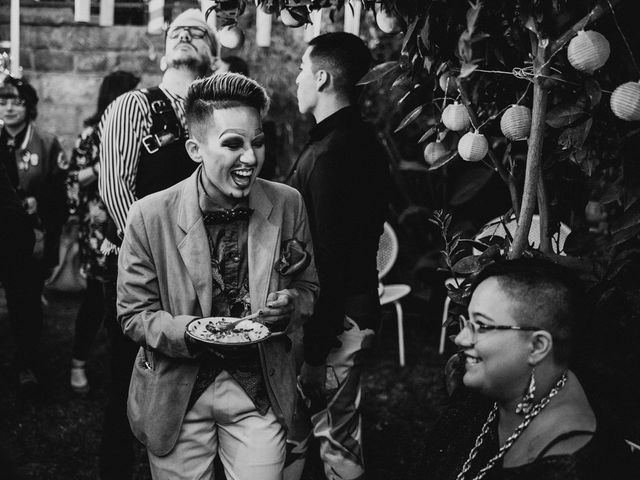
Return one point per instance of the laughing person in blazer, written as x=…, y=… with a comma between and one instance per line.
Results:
x=221, y=243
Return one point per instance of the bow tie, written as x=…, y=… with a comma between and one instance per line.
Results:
x=227, y=215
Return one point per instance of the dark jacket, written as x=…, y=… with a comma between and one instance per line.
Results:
x=343, y=176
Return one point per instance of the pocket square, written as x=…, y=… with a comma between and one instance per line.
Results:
x=294, y=257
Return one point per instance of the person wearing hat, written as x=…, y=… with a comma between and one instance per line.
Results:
x=142, y=150
x=36, y=166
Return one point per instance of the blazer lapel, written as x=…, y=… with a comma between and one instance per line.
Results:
x=194, y=248
x=263, y=245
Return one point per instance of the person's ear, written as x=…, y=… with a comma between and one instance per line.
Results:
x=193, y=149
x=163, y=63
x=322, y=80
x=541, y=346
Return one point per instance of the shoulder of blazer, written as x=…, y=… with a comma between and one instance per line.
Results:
x=163, y=201
x=278, y=192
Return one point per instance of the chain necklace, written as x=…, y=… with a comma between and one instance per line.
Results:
x=512, y=438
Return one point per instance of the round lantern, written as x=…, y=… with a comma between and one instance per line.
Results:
x=516, y=122
x=595, y=212
x=231, y=37
x=433, y=151
x=294, y=17
x=588, y=51
x=473, y=146
x=625, y=101
x=386, y=20
x=448, y=84
x=455, y=117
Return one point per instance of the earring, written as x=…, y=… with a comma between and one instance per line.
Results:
x=526, y=404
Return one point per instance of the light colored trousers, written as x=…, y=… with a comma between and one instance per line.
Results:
x=224, y=421
x=338, y=427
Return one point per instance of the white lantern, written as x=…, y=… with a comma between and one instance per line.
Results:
x=433, y=151
x=455, y=117
x=588, y=51
x=625, y=101
x=231, y=37
x=516, y=122
x=386, y=20
x=473, y=147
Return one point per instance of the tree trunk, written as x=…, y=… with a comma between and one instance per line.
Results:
x=534, y=154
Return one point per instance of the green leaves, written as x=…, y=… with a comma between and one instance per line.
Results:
x=379, y=71
x=565, y=114
x=410, y=117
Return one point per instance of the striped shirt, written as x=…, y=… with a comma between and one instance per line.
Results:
x=126, y=121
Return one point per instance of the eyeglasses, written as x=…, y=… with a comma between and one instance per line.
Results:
x=16, y=102
x=194, y=32
x=476, y=327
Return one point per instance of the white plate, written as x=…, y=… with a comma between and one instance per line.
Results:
x=246, y=332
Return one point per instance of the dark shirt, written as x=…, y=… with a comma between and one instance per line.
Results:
x=343, y=176
x=8, y=146
x=604, y=456
x=230, y=272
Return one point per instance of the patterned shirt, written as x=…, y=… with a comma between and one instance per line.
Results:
x=85, y=202
x=230, y=272
x=125, y=123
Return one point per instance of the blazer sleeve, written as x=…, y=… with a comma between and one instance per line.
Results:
x=140, y=311
x=304, y=285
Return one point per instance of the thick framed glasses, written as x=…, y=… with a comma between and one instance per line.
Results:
x=194, y=32
x=478, y=327
x=16, y=102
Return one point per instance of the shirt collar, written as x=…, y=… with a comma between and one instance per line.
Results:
x=333, y=122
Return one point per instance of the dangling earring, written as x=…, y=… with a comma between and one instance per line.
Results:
x=526, y=404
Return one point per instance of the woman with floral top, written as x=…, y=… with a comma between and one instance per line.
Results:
x=85, y=203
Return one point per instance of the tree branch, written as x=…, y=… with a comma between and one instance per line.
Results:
x=595, y=14
x=534, y=153
x=543, y=211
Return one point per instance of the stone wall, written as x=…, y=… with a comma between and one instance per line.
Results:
x=66, y=62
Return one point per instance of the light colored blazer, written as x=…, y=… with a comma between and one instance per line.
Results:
x=164, y=281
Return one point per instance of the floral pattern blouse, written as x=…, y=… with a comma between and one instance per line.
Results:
x=85, y=203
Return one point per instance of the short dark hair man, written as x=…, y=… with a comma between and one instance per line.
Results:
x=142, y=151
x=219, y=243
x=344, y=179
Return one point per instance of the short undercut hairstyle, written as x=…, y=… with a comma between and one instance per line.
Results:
x=221, y=91
x=546, y=295
x=344, y=55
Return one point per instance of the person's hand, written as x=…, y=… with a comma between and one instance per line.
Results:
x=312, y=381
x=278, y=310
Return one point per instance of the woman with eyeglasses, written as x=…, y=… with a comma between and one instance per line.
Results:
x=36, y=166
x=522, y=413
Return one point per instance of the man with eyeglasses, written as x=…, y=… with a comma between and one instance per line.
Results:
x=143, y=134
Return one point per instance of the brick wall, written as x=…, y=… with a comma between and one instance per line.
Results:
x=66, y=63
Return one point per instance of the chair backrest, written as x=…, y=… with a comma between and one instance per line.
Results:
x=496, y=227
x=387, y=250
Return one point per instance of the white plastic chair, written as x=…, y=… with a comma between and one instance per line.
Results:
x=387, y=255
x=498, y=228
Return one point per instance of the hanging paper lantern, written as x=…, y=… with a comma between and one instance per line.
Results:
x=448, y=84
x=386, y=20
x=294, y=17
x=625, y=101
x=433, y=151
x=455, y=117
x=473, y=147
x=231, y=37
x=588, y=51
x=516, y=122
